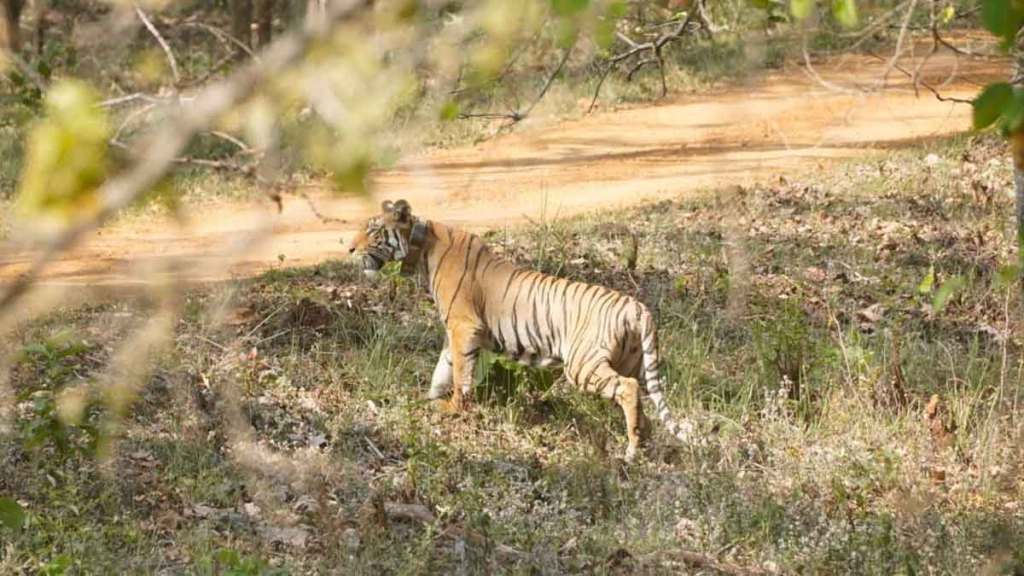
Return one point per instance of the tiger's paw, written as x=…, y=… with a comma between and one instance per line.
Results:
x=449, y=406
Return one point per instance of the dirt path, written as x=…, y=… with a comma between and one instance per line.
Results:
x=779, y=124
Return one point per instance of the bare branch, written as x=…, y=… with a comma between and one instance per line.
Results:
x=927, y=86
x=550, y=80
x=517, y=115
x=167, y=143
x=224, y=37
x=695, y=19
x=160, y=40
x=813, y=74
x=898, y=50
x=316, y=211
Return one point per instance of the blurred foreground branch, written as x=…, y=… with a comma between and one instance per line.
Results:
x=167, y=143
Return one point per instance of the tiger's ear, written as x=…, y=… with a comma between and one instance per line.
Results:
x=402, y=211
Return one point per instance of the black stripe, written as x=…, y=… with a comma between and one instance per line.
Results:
x=531, y=323
x=536, y=322
x=515, y=319
x=487, y=266
x=550, y=291
x=592, y=370
x=590, y=355
x=508, y=285
x=458, y=287
x=435, y=281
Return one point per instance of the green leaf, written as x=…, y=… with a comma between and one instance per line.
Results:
x=928, y=282
x=11, y=514
x=845, y=12
x=58, y=566
x=945, y=292
x=1013, y=113
x=353, y=175
x=66, y=157
x=1006, y=276
x=567, y=32
x=991, y=103
x=449, y=111
x=1002, y=17
x=948, y=14
x=569, y=7
x=227, y=557
x=801, y=9
x=604, y=34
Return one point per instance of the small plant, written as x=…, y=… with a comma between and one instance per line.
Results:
x=228, y=562
x=503, y=380
x=12, y=516
x=57, y=414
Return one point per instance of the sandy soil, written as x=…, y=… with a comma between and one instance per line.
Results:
x=783, y=123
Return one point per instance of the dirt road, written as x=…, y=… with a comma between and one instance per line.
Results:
x=779, y=123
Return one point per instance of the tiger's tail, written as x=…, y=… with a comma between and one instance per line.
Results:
x=683, y=430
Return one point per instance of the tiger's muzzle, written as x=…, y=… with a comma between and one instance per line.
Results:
x=374, y=258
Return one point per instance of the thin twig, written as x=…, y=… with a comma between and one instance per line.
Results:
x=517, y=115
x=160, y=40
x=898, y=50
x=938, y=95
x=119, y=100
x=224, y=36
x=241, y=145
x=810, y=71
x=655, y=46
x=320, y=216
x=550, y=80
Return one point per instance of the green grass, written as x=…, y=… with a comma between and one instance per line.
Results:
x=287, y=417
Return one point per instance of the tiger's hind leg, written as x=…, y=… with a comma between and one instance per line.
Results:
x=625, y=391
x=463, y=348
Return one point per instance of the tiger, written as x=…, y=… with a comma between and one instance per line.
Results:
x=604, y=340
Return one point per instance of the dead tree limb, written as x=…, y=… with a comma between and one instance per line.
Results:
x=935, y=92
x=518, y=115
x=171, y=60
x=696, y=20
x=170, y=140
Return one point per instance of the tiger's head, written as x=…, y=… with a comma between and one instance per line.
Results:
x=385, y=238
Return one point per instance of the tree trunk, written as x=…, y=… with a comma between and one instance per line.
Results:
x=10, y=35
x=265, y=21
x=241, y=21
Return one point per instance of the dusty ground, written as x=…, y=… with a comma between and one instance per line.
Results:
x=782, y=123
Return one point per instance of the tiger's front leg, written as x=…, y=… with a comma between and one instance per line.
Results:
x=441, y=381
